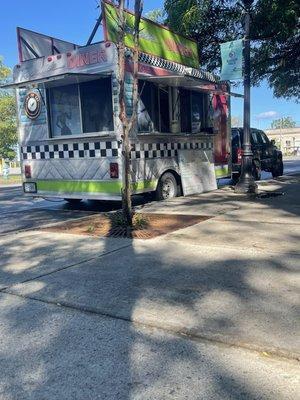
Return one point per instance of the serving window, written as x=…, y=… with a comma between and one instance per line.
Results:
x=153, y=108
x=157, y=106
x=81, y=108
x=194, y=111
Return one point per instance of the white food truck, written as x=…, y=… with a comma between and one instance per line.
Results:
x=68, y=113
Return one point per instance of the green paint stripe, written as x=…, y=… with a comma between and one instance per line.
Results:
x=142, y=185
x=110, y=187
x=220, y=172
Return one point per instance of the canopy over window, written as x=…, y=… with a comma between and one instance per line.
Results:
x=58, y=80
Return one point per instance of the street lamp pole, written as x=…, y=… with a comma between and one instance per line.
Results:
x=246, y=183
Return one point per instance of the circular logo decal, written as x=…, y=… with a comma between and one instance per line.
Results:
x=32, y=105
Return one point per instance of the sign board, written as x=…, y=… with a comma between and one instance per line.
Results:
x=155, y=39
x=232, y=60
x=93, y=59
x=197, y=172
x=35, y=45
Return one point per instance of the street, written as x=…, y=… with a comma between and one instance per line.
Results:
x=19, y=212
x=205, y=312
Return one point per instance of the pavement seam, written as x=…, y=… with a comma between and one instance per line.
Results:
x=64, y=268
x=185, y=334
x=254, y=249
x=234, y=220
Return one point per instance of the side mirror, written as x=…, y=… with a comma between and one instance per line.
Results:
x=273, y=142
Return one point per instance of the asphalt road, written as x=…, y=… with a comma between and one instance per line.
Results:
x=18, y=212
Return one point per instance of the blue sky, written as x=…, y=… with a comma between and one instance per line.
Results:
x=73, y=20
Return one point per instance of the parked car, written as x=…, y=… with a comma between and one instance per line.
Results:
x=266, y=156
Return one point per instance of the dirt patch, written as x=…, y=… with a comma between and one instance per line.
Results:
x=146, y=226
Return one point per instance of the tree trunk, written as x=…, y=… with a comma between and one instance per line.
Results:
x=128, y=125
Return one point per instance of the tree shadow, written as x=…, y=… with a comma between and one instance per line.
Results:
x=67, y=346
x=89, y=330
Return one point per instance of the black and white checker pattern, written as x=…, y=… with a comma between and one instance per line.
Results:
x=173, y=66
x=108, y=149
x=72, y=150
x=163, y=150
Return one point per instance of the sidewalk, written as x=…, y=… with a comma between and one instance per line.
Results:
x=232, y=280
x=202, y=280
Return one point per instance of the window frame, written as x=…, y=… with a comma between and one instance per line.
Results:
x=81, y=135
x=204, y=107
x=263, y=138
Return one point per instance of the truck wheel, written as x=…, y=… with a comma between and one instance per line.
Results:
x=235, y=178
x=73, y=202
x=167, y=187
x=277, y=170
x=257, y=170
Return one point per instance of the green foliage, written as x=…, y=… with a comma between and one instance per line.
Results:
x=285, y=122
x=236, y=121
x=4, y=71
x=208, y=22
x=139, y=221
x=275, y=34
x=8, y=125
x=158, y=15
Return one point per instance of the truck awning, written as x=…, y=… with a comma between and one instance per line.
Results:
x=184, y=81
x=190, y=83
x=51, y=81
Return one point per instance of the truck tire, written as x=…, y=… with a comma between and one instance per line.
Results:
x=277, y=170
x=73, y=202
x=167, y=187
x=256, y=170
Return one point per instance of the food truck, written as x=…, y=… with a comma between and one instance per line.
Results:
x=68, y=111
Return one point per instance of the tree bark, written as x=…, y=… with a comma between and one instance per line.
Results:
x=128, y=124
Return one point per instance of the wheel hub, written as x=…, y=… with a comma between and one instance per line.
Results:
x=168, y=189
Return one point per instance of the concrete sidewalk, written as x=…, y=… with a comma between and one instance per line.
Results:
x=232, y=280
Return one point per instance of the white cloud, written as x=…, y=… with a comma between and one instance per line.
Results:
x=267, y=115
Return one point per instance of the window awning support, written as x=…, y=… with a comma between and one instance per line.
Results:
x=29, y=47
x=96, y=27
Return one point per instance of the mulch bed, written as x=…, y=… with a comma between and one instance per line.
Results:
x=146, y=225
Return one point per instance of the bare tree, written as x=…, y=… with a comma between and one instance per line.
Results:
x=128, y=123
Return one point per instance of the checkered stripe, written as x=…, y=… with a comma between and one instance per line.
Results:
x=108, y=149
x=173, y=66
x=163, y=150
x=72, y=150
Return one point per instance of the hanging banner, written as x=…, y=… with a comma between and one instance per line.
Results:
x=232, y=60
x=155, y=39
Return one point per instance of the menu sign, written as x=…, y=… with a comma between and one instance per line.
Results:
x=197, y=172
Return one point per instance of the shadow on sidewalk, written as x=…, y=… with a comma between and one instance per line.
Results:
x=69, y=355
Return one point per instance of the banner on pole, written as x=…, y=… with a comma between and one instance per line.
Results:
x=232, y=60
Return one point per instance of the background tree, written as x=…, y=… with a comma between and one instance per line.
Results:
x=209, y=22
x=282, y=123
x=236, y=121
x=275, y=35
x=158, y=15
x=8, y=124
x=128, y=120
